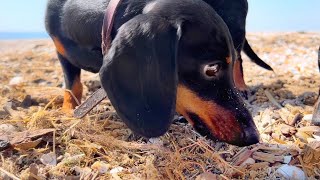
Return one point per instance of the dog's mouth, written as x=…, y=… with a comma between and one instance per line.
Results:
x=213, y=120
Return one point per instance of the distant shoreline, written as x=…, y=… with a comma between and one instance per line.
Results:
x=8, y=36
x=23, y=35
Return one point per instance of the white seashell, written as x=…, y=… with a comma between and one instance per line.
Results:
x=291, y=172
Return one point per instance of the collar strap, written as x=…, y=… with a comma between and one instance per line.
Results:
x=108, y=24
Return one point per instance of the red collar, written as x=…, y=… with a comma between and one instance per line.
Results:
x=108, y=24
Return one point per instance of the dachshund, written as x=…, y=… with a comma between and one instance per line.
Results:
x=165, y=57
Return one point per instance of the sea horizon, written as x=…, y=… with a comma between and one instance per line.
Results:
x=44, y=35
x=23, y=35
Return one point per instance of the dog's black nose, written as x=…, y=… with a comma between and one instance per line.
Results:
x=248, y=137
x=251, y=136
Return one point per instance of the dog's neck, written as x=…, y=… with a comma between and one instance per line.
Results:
x=108, y=24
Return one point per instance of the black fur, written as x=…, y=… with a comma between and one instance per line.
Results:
x=156, y=46
x=142, y=86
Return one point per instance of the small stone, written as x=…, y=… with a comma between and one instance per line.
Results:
x=317, y=137
x=101, y=167
x=3, y=114
x=12, y=105
x=49, y=159
x=116, y=170
x=27, y=101
x=248, y=162
x=16, y=81
x=82, y=171
x=93, y=83
x=7, y=129
x=156, y=141
x=4, y=144
x=207, y=176
x=307, y=117
x=287, y=159
x=291, y=172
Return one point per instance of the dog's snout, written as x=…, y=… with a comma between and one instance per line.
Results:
x=233, y=125
x=249, y=137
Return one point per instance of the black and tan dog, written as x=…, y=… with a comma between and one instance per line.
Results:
x=165, y=56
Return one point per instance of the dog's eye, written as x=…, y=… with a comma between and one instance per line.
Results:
x=211, y=70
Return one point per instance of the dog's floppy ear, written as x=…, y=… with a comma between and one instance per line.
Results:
x=139, y=74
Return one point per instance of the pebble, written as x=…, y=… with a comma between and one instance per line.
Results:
x=156, y=141
x=3, y=114
x=49, y=159
x=101, y=167
x=82, y=171
x=93, y=83
x=7, y=129
x=16, y=81
x=317, y=137
x=248, y=162
x=4, y=143
x=287, y=159
x=207, y=176
x=26, y=102
x=291, y=172
x=307, y=117
x=116, y=170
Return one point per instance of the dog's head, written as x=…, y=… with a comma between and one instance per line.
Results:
x=177, y=57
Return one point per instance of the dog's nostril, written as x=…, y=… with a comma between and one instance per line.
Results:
x=251, y=136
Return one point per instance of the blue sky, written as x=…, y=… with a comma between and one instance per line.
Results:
x=264, y=15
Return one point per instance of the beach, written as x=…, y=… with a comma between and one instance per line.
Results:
x=101, y=146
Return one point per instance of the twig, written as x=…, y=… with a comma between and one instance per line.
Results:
x=224, y=177
x=9, y=174
x=72, y=126
x=264, y=130
x=50, y=102
x=198, y=164
x=272, y=100
x=217, y=156
x=169, y=173
x=35, y=176
x=189, y=146
x=54, y=142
